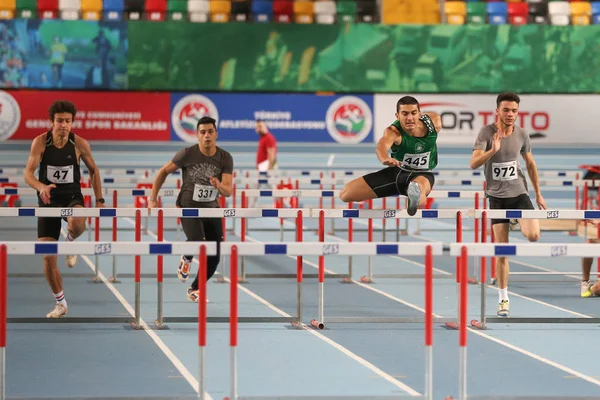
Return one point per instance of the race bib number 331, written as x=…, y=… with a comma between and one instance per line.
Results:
x=204, y=193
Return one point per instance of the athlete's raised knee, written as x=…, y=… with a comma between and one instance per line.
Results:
x=533, y=236
x=345, y=194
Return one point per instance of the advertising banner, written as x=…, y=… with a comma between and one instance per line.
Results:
x=100, y=115
x=290, y=117
x=548, y=119
x=63, y=54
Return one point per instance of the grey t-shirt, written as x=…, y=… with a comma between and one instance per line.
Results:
x=503, y=172
x=196, y=190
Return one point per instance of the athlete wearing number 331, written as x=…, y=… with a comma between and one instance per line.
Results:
x=497, y=148
x=412, y=141
x=207, y=174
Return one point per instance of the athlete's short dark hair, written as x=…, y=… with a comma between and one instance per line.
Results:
x=206, y=120
x=407, y=100
x=61, y=106
x=507, y=96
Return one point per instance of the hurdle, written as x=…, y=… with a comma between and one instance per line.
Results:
x=286, y=173
x=322, y=214
x=526, y=249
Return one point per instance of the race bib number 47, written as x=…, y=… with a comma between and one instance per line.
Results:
x=204, y=193
x=416, y=161
x=60, y=174
x=506, y=171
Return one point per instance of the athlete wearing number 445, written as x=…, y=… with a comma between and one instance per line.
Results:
x=497, y=147
x=207, y=174
x=412, y=141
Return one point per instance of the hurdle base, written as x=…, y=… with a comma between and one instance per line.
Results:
x=159, y=326
x=220, y=279
x=542, y=320
x=71, y=320
x=295, y=276
x=347, y=280
x=317, y=324
x=95, y=280
x=112, y=279
x=386, y=320
x=478, y=324
x=226, y=319
x=366, y=279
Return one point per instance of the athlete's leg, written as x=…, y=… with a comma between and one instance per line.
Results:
x=194, y=232
x=49, y=231
x=213, y=229
x=357, y=190
x=377, y=184
x=501, y=231
x=587, y=289
x=417, y=191
x=75, y=228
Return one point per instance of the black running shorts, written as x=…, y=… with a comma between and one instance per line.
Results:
x=392, y=181
x=50, y=226
x=521, y=202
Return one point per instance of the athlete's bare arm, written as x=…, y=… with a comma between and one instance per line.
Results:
x=38, y=146
x=436, y=119
x=533, y=175
x=162, y=174
x=225, y=186
x=82, y=146
x=391, y=136
x=480, y=157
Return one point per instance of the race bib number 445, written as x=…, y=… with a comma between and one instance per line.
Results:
x=60, y=174
x=204, y=193
x=506, y=171
x=416, y=161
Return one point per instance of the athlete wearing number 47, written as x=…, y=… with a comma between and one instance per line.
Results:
x=207, y=174
x=57, y=153
x=412, y=141
x=497, y=147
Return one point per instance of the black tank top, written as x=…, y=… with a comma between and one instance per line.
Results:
x=60, y=167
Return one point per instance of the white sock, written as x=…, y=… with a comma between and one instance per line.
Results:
x=60, y=298
x=503, y=294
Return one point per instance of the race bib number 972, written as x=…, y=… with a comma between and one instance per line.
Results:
x=416, y=161
x=204, y=193
x=506, y=171
x=60, y=174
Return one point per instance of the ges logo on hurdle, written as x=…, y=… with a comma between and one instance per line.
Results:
x=66, y=212
x=102, y=248
x=229, y=212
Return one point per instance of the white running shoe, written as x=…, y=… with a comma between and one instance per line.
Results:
x=586, y=289
x=194, y=295
x=183, y=271
x=504, y=309
x=414, y=197
x=59, y=311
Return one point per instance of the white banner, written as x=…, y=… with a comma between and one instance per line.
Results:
x=549, y=119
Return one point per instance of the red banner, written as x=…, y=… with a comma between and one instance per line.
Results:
x=114, y=116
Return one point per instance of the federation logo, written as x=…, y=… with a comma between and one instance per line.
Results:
x=349, y=120
x=419, y=146
x=10, y=115
x=187, y=112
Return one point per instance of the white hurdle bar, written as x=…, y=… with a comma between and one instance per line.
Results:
x=291, y=173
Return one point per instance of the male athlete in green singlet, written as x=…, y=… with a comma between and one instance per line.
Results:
x=412, y=141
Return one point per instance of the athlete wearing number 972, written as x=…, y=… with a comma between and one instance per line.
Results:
x=412, y=142
x=497, y=148
x=207, y=174
x=57, y=154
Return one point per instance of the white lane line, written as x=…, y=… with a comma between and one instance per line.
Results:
x=158, y=341
x=332, y=343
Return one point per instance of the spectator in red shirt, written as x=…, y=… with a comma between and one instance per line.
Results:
x=266, y=154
